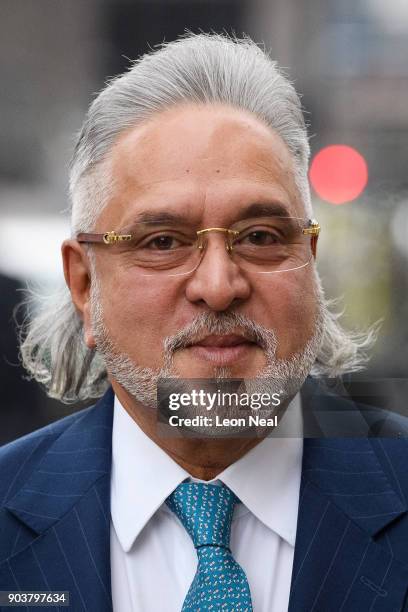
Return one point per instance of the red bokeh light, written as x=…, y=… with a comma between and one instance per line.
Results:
x=338, y=174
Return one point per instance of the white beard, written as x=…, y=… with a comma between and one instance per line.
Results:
x=283, y=376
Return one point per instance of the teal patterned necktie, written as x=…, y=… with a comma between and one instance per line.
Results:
x=206, y=513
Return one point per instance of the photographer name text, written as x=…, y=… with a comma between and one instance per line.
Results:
x=217, y=421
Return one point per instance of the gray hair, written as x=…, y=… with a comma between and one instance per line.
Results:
x=202, y=69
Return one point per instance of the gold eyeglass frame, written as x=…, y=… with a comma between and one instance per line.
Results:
x=112, y=237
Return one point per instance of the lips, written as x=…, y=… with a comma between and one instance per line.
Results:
x=222, y=350
x=222, y=341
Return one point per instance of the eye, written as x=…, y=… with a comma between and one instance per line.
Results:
x=164, y=242
x=261, y=238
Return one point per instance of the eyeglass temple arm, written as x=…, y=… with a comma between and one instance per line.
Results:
x=106, y=238
x=313, y=230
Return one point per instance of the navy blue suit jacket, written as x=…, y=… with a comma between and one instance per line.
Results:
x=351, y=552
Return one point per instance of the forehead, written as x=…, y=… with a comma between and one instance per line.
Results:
x=200, y=159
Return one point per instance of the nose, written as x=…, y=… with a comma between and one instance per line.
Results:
x=218, y=281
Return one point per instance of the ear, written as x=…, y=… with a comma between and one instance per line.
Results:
x=78, y=278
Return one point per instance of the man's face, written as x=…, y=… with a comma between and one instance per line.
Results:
x=205, y=164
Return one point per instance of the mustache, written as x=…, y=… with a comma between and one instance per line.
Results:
x=209, y=323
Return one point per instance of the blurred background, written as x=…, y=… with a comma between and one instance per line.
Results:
x=349, y=60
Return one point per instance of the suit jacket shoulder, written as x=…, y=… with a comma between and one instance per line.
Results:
x=20, y=457
x=54, y=509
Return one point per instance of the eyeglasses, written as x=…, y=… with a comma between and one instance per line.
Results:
x=263, y=245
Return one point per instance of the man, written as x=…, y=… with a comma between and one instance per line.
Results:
x=192, y=257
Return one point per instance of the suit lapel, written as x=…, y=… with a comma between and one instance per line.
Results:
x=61, y=516
x=346, y=500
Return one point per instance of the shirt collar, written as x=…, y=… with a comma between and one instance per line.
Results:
x=266, y=479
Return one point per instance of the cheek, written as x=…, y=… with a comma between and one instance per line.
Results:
x=138, y=316
x=291, y=308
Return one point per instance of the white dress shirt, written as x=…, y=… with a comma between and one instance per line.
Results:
x=153, y=560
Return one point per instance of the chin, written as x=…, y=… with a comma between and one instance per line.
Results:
x=204, y=369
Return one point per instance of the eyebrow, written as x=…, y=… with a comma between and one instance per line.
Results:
x=160, y=217
x=271, y=209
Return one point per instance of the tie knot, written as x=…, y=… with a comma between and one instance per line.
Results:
x=205, y=511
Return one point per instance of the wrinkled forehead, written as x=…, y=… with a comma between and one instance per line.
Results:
x=201, y=160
